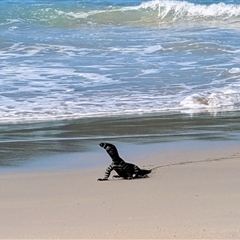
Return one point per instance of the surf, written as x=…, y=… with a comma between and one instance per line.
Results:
x=150, y=13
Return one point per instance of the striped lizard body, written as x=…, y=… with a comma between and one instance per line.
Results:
x=123, y=169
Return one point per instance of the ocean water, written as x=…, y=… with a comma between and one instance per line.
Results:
x=74, y=60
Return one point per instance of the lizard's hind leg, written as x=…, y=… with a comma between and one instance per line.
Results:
x=116, y=176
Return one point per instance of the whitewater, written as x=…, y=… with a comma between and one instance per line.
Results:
x=80, y=59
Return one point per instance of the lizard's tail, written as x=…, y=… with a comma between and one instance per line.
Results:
x=145, y=171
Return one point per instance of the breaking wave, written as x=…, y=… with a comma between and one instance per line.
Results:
x=153, y=13
x=223, y=99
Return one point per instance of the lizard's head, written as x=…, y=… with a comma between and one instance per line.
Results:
x=102, y=144
x=107, y=146
x=110, y=148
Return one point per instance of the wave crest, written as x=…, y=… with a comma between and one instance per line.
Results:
x=183, y=10
x=152, y=13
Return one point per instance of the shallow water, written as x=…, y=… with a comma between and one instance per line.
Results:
x=25, y=143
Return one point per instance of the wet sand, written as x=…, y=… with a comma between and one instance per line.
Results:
x=193, y=192
x=23, y=143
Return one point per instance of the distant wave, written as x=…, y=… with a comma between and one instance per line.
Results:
x=147, y=13
x=162, y=12
x=184, y=9
x=173, y=11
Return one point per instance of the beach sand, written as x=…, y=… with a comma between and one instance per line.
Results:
x=196, y=196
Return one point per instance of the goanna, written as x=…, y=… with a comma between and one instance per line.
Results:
x=123, y=169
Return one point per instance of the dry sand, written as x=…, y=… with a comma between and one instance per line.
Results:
x=199, y=200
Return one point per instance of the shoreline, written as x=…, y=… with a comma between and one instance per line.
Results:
x=139, y=153
x=22, y=144
x=196, y=196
